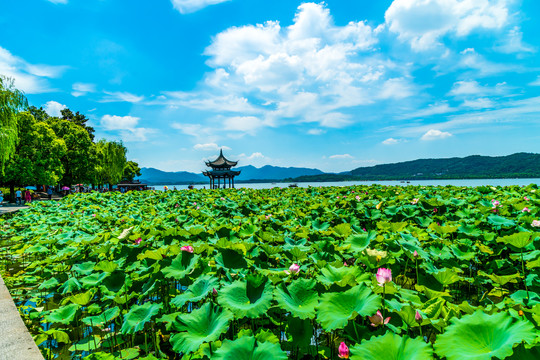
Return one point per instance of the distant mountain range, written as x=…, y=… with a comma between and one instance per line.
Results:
x=248, y=173
x=520, y=165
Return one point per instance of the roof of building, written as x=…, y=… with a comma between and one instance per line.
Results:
x=215, y=173
x=221, y=161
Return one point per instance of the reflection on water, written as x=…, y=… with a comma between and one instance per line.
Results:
x=464, y=182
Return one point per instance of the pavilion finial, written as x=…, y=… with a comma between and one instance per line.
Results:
x=221, y=152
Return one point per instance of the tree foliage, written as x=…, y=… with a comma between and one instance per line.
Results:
x=131, y=170
x=111, y=161
x=37, y=157
x=11, y=101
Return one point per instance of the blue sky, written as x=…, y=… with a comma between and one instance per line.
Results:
x=333, y=85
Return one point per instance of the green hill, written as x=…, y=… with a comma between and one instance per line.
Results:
x=520, y=165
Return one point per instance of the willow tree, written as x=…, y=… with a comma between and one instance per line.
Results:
x=111, y=161
x=11, y=102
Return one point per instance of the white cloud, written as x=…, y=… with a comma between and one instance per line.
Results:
x=256, y=155
x=115, y=122
x=53, y=108
x=480, y=103
x=396, y=89
x=390, y=141
x=58, y=1
x=81, y=89
x=210, y=147
x=189, y=6
x=513, y=43
x=121, y=97
x=127, y=127
x=430, y=110
x=244, y=124
x=535, y=82
x=30, y=78
x=434, y=134
x=316, y=131
x=341, y=157
x=423, y=23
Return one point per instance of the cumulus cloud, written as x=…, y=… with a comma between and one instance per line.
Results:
x=127, y=127
x=341, y=157
x=189, y=6
x=244, y=124
x=423, y=23
x=390, y=141
x=513, y=43
x=30, y=78
x=53, y=108
x=210, y=147
x=434, y=134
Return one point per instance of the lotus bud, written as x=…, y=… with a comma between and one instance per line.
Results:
x=418, y=317
x=343, y=351
x=526, y=198
x=293, y=269
x=384, y=276
x=214, y=291
x=526, y=209
x=187, y=248
x=415, y=254
x=378, y=320
x=535, y=223
x=138, y=241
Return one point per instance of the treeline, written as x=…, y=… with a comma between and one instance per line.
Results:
x=38, y=149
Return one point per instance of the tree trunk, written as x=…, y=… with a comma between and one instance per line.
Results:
x=12, y=192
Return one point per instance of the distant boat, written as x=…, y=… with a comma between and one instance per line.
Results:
x=293, y=185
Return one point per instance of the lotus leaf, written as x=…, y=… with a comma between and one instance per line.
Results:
x=247, y=348
x=138, y=316
x=335, y=309
x=64, y=315
x=197, y=291
x=392, y=347
x=182, y=265
x=481, y=336
x=246, y=298
x=203, y=325
x=299, y=298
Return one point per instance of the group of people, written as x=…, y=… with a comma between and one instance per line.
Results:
x=27, y=197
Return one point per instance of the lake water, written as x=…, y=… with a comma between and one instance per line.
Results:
x=465, y=182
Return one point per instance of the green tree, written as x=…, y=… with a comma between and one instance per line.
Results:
x=38, y=114
x=131, y=170
x=78, y=119
x=111, y=161
x=37, y=157
x=79, y=157
x=11, y=102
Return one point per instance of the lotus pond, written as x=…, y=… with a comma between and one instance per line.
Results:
x=361, y=272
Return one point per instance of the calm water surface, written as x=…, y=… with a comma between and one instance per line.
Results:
x=473, y=182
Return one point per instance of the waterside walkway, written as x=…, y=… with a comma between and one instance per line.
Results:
x=16, y=343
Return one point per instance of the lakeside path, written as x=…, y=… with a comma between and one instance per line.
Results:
x=16, y=343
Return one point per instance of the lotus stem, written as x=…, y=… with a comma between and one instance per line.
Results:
x=524, y=280
x=416, y=263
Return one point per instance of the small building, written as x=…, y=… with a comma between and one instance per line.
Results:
x=221, y=170
x=132, y=185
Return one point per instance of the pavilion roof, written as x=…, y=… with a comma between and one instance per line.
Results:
x=221, y=161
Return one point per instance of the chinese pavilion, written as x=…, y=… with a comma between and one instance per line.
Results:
x=221, y=169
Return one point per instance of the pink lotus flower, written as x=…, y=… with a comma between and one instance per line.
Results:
x=435, y=210
x=293, y=269
x=214, y=291
x=377, y=319
x=357, y=197
x=138, y=241
x=415, y=254
x=535, y=223
x=495, y=203
x=343, y=351
x=526, y=209
x=525, y=198
x=415, y=201
x=418, y=317
x=194, y=204
x=187, y=248
x=384, y=276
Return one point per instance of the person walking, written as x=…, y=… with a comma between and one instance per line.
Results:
x=27, y=196
x=18, y=197
x=49, y=192
x=1, y=197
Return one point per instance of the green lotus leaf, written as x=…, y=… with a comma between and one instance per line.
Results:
x=196, y=291
x=359, y=242
x=70, y=285
x=200, y=326
x=106, y=266
x=246, y=298
x=64, y=315
x=518, y=240
x=182, y=265
x=342, y=276
x=49, y=284
x=446, y=276
x=82, y=298
x=93, y=280
x=481, y=336
x=100, y=320
x=301, y=331
x=100, y=356
x=89, y=343
x=391, y=346
x=335, y=309
x=299, y=298
x=499, y=221
x=84, y=268
x=138, y=316
x=501, y=280
x=247, y=348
